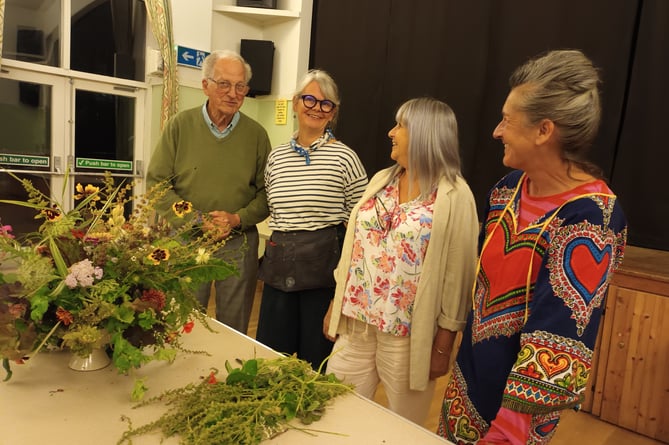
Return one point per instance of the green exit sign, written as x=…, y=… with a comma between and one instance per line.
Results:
x=15, y=159
x=104, y=164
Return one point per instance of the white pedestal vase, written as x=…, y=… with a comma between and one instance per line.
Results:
x=97, y=359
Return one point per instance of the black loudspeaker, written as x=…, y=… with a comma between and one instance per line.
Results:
x=258, y=3
x=260, y=55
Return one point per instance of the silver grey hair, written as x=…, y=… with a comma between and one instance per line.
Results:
x=215, y=56
x=327, y=85
x=563, y=86
x=434, y=151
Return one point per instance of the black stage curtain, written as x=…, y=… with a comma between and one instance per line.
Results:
x=382, y=53
x=643, y=151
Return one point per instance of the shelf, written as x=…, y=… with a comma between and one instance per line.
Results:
x=261, y=15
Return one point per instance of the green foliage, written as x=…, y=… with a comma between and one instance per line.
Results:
x=139, y=389
x=255, y=402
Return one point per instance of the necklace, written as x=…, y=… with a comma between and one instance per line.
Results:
x=313, y=147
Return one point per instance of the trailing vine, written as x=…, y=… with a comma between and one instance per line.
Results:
x=256, y=401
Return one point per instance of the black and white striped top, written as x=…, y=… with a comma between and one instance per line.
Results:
x=314, y=196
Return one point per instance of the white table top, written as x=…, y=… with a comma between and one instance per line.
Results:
x=46, y=402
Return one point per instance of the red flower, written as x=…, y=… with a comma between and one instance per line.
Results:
x=155, y=298
x=64, y=315
x=212, y=378
x=402, y=330
x=78, y=234
x=188, y=327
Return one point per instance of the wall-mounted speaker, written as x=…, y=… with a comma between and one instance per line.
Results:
x=271, y=4
x=260, y=55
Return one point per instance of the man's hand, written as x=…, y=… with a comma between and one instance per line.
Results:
x=220, y=223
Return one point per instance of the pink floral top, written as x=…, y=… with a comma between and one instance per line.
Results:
x=388, y=251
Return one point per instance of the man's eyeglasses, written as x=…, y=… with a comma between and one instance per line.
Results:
x=224, y=86
x=310, y=102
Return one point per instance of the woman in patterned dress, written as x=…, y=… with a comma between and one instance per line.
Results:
x=404, y=278
x=552, y=234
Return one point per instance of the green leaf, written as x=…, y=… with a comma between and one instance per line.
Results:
x=8, y=369
x=125, y=313
x=166, y=354
x=139, y=390
x=250, y=367
x=289, y=405
x=126, y=356
x=38, y=306
x=146, y=320
x=57, y=258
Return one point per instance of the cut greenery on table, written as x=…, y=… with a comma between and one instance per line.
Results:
x=255, y=402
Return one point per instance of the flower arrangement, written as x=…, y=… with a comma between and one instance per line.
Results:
x=89, y=277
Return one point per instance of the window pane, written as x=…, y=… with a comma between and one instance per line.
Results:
x=104, y=135
x=25, y=123
x=104, y=126
x=32, y=31
x=108, y=38
x=25, y=144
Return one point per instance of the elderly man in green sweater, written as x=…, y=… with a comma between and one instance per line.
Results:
x=215, y=157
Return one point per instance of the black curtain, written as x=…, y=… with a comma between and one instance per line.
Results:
x=643, y=154
x=382, y=53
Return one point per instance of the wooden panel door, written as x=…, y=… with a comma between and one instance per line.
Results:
x=632, y=384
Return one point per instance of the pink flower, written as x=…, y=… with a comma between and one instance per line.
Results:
x=4, y=231
x=83, y=274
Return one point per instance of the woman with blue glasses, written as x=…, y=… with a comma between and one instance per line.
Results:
x=312, y=182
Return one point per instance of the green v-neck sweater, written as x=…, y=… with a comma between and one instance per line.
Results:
x=213, y=174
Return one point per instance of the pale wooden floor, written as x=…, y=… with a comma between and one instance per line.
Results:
x=575, y=427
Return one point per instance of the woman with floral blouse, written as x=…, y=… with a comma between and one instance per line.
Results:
x=408, y=260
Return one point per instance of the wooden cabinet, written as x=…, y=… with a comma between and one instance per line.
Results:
x=630, y=378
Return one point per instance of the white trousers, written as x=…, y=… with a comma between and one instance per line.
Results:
x=365, y=356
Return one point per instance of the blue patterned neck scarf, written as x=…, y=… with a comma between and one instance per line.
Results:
x=313, y=147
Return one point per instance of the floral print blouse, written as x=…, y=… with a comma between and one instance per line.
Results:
x=388, y=251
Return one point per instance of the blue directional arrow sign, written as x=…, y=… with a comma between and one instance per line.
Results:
x=190, y=57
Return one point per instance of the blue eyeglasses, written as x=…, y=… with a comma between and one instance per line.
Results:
x=310, y=102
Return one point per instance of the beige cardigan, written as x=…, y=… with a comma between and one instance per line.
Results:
x=443, y=297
